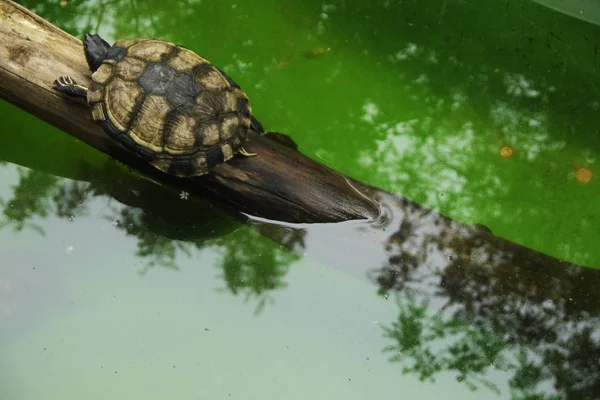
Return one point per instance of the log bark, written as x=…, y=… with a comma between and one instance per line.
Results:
x=280, y=183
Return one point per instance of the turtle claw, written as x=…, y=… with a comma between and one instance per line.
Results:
x=68, y=86
x=245, y=153
x=65, y=81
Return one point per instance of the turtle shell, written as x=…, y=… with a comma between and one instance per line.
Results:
x=170, y=106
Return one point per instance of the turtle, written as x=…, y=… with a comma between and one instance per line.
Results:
x=164, y=103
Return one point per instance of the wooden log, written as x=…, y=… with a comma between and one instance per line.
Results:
x=280, y=183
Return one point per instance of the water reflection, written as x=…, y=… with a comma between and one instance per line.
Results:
x=470, y=303
x=165, y=226
x=534, y=316
x=30, y=198
x=427, y=345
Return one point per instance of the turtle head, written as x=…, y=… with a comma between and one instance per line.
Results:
x=96, y=50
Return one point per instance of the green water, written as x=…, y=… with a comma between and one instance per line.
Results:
x=415, y=97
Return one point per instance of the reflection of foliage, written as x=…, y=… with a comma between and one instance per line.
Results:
x=506, y=307
x=460, y=347
x=164, y=225
x=251, y=265
x=30, y=198
x=525, y=380
x=69, y=199
x=151, y=245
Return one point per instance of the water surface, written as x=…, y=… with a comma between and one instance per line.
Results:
x=112, y=287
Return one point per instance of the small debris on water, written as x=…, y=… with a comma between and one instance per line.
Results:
x=316, y=52
x=69, y=249
x=582, y=174
x=506, y=152
x=287, y=60
x=183, y=195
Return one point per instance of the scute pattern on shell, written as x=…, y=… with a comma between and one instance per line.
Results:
x=170, y=106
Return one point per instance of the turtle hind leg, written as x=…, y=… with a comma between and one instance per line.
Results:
x=68, y=86
x=256, y=125
x=96, y=50
x=245, y=153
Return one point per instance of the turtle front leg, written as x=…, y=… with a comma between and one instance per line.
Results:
x=68, y=86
